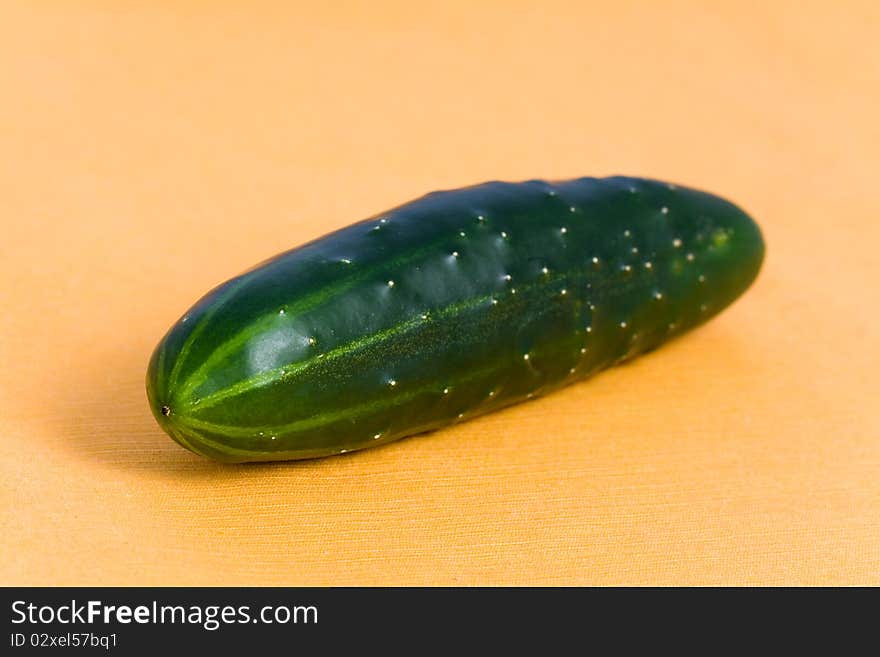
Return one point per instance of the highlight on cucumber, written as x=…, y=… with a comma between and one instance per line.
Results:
x=450, y=306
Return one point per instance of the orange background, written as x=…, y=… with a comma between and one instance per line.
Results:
x=149, y=152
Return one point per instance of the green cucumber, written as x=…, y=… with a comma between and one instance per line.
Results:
x=445, y=308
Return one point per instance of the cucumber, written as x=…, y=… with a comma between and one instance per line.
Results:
x=445, y=308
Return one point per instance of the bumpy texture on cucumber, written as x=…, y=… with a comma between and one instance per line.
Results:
x=445, y=308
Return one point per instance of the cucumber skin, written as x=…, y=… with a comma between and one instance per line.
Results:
x=447, y=307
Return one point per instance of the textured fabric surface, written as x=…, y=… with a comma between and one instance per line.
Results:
x=150, y=152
